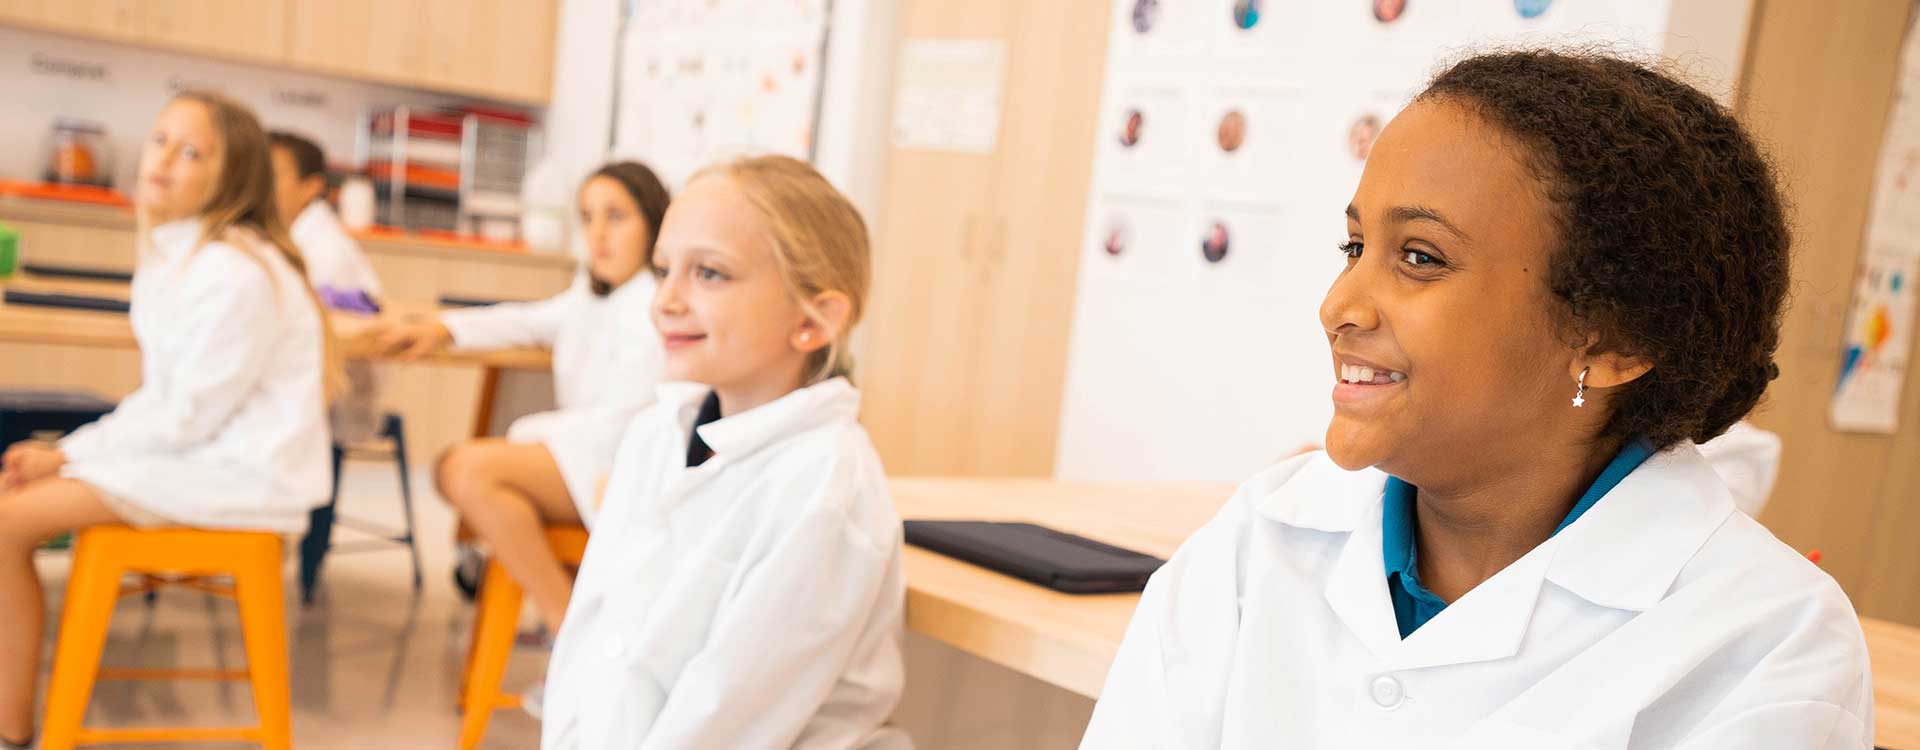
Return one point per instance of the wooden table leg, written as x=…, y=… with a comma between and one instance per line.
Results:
x=482, y=421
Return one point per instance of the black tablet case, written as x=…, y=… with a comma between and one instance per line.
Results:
x=1055, y=559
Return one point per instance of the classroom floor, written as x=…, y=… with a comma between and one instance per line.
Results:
x=374, y=666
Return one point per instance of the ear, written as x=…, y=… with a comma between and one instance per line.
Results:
x=832, y=309
x=1610, y=369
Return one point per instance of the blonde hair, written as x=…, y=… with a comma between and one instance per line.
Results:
x=243, y=199
x=819, y=243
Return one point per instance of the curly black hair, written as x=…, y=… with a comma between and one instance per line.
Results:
x=1673, y=236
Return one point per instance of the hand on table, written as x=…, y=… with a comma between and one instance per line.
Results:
x=407, y=341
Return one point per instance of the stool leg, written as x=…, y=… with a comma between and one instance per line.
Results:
x=319, y=538
x=93, y=586
x=397, y=431
x=497, y=618
x=263, y=621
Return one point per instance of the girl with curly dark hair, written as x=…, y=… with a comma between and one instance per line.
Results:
x=1564, y=270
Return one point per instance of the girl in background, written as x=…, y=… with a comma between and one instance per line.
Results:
x=228, y=428
x=743, y=587
x=606, y=362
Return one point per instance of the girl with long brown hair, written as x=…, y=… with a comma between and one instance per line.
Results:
x=228, y=428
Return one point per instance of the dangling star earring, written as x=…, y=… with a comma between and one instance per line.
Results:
x=1580, y=396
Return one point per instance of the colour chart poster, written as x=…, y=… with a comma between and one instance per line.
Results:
x=1877, y=343
x=703, y=80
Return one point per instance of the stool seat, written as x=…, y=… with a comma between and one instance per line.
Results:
x=495, y=621
x=102, y=556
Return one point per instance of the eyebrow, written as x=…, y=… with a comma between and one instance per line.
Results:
x=1405, y=214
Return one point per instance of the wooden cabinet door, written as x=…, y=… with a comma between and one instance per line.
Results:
x=498, y=49
x=113, y=20
x=250, y=30
x=976, y=256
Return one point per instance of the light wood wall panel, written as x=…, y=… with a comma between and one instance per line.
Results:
x=976, y=257
x=1818, y=85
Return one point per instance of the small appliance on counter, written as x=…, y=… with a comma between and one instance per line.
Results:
x=78, y=153
x=449, y=169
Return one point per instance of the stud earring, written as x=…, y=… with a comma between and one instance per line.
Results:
x=1580, y=396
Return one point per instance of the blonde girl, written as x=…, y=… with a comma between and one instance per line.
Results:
x=228, y=428
x=743, y=587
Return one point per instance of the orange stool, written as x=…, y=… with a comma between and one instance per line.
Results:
x=495, y=622
x=102, y=555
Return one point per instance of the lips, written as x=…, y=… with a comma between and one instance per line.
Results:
x=681, y=340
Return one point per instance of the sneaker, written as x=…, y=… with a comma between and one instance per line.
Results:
x=468, y=567
x=532, y=698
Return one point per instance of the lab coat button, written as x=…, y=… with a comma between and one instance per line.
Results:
x=1387, y=693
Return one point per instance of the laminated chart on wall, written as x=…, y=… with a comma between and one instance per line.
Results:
x=704, y=80
x=1232, y=133
x=1877, y=344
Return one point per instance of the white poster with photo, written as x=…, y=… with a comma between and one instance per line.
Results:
x=1184, y=366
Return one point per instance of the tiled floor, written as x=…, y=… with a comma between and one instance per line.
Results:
x=375, y=666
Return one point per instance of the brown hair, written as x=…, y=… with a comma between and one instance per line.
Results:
x=243, y=199
x=1673, y=238
x=819, y=242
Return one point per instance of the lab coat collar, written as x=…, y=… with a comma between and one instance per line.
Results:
x=739, y=435
x=1627, y=551
x=316, y=213
x=174, y=235
x=1624, y=553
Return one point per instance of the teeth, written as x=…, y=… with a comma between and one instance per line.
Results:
x=1359, y=375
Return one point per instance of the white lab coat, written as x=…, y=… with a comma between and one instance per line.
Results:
x=607, y=360
x=228, y=428
x=754, y=601
x=1748, y=459
x=333, y=258
x=1662, y=618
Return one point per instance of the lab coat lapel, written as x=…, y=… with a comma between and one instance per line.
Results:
x=1488, y=623
x=1357, y=588
x=1324, y=497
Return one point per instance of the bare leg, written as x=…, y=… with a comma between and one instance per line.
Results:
x=508, y=493
x=30, y=515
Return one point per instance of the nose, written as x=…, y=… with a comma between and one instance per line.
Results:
x=669, y=297
x=596, y=230
x=1349, y=306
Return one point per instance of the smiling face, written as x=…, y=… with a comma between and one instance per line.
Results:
x=180, y=163
x=724, y=312
x=1442, y=327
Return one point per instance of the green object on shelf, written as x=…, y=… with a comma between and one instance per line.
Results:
x=63, y=541
x=9, y=250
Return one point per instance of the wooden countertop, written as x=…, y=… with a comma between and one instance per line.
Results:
x=376, y=240
x=1064, y=639
x=58, y=326
x=1070, y=640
